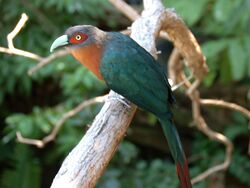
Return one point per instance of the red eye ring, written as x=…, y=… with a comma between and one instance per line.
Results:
x=78, y=38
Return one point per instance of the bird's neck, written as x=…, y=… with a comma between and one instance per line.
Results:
x=90, y=57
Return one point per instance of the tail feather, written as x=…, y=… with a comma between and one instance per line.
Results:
x=183, y=175
x=177, y=152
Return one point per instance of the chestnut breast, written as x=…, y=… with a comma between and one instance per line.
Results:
x=90, y=57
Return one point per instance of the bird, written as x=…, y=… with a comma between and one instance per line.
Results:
x=131, y=71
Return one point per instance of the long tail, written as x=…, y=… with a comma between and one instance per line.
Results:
x=177, y=152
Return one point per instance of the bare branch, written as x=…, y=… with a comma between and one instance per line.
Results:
x=41, y=143
x=193, y=87
x=127, y=10
x=16, y=30
x=175, y=66
x=21, y=139
x=224, y=104
x=11, y=49
x=202, y=126
x=46, y=60
x=185, y=42
x=232, y=106
x=19, y=52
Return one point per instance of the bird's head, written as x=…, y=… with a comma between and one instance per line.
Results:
x=85, y=43
x=77, y=37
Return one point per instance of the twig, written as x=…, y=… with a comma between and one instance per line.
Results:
x=127, y=10
x=193, y=87
x=19, y=52
x=16, y=30
x=217, y=137
x=10, y=37
x=12, y=50
x=175, y=66
x=224, y=104
x=21, y=139
x=46, y=60
x=41, y=143
x=181, y=83
x=202, y=126
x=131, y=13
x=232, y=106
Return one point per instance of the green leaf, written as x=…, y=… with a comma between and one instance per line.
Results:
x=225, y=71
x=239, y=167
x=26, y=172
x=247, y=50
x=1, y=97
x=212, y=48
x=237, y=58
x=127, y=151
x=190, y=13
x=235, y=130
x=209, y=78
x=223, y=9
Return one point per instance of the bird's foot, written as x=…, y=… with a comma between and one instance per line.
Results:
x=120, y=99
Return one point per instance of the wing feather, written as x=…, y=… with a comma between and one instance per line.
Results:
x=132, y=72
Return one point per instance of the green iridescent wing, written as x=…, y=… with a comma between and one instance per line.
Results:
x=135, y=75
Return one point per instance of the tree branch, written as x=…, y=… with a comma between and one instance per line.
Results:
x=202, y=126
x=127, y=10
x=16, y=30
x=10, y=37
x=46, y=60
x=224, y=104
x=12, y=50
x=41, y=143
x=185, y=42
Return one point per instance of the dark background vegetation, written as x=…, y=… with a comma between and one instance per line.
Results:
x=33, y=104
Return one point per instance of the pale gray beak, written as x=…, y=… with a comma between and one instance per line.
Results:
x=59, y=42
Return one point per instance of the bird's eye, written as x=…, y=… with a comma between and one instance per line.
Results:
x=78, y=37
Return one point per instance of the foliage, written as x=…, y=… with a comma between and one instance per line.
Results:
x=227, y=24
x=137, y=174
x=33, y=105
x=22, y=169
x=212, y=153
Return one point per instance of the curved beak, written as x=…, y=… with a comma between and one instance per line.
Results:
x=59, y=42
